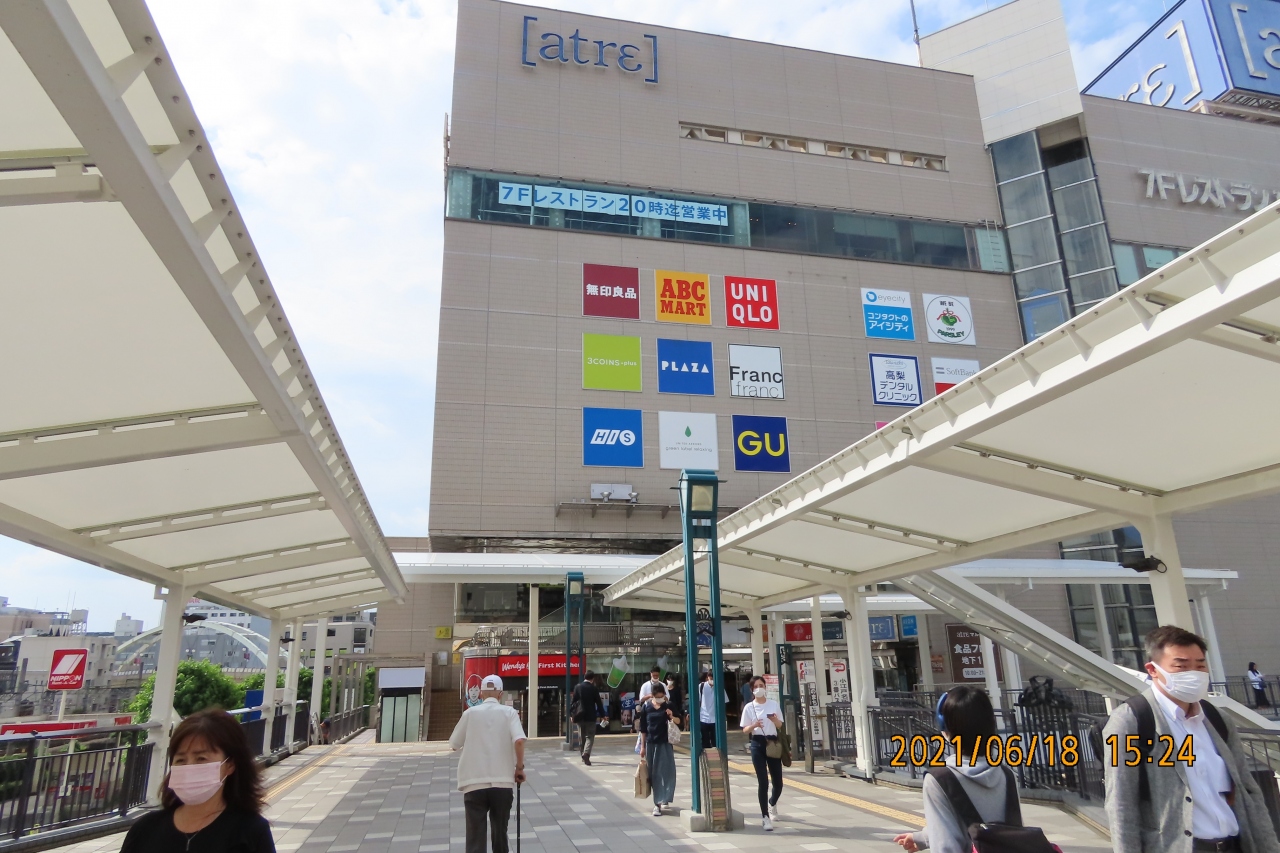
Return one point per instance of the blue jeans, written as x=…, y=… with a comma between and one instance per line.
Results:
x=766, y=768
x=662, y=771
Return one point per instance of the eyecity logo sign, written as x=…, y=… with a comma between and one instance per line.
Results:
x=613, y=438
x=948, y=319
x=760, y=444
x=584, y=50
x=887, y=314
x=755, y=372
x=684, y=367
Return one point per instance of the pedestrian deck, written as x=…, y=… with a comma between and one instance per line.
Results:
x=400, y=798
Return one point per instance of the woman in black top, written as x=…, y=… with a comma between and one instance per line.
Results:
x=212, y=794
x=654, y=716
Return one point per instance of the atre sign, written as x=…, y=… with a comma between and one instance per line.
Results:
x=67, y=669
x=538, y=45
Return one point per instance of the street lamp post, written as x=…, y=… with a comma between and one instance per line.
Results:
x=699, y=498
x=573, y=584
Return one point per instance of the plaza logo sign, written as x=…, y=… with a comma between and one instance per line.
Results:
x=684, y=367
x=578, y=49
x=688, y=440
x=887, y=314
x=611, y=363
x=750, y=303
x=613, y=438
x=895, y=380
x=948, y=319
x=760, y=444
x=683, y=297
x=610, y=292
x=755, y=372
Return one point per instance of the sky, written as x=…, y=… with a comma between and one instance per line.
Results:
x=327, y=117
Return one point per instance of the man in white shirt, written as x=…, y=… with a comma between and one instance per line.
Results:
x=1207, y=804
x=491, y=765
x=646, y=689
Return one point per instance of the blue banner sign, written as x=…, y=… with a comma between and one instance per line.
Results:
x=760, y=444
x=685, y=367
x=909, y=626
x=613, y=438
x=884, y=629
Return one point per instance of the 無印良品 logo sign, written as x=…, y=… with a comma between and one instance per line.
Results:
x=760, y=444
x=613, y=438
x=610, y=292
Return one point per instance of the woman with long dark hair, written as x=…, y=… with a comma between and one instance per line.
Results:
x=212, y=794
x=761, y=719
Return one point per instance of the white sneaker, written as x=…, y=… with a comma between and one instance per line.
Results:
x=768, y=825
x=657, y=811
x=773, y=812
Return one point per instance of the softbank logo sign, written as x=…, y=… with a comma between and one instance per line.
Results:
x=577, y=49
x=684, y=367
x=613, y=438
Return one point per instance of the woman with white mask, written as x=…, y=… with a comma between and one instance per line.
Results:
x=212, y=794
x=761, y=719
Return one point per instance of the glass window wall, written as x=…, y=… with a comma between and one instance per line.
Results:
x=1136, y=261
x=488, y=197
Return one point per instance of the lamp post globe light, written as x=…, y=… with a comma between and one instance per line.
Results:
x=699, y=507
x=573, y=590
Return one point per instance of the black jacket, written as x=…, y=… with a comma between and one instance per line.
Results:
x=588, y=699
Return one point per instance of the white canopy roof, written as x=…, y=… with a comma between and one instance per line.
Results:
x=516, y=568
x=1157, y=401
x=157, y=416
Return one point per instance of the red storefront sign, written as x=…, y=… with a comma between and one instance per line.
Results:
x=751, y=303
x=610, y=291
x=517, y=666
x=34, y=728
x=798, y=632
x=67, y=670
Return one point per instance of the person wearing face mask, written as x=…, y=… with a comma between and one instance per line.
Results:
x=212, y=796
x=655, y=746
x=761, y=719
x=1210, y=804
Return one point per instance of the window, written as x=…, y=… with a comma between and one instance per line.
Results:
x=514, y=200
x=1134, y=262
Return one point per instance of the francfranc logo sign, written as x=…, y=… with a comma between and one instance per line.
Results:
x=755, y=372
x=584, y=50
x=613, y=436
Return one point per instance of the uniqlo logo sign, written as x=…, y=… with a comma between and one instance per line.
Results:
x=610, y=292
x=751, y=303
x=67, y=670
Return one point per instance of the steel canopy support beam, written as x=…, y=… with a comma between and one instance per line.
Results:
x=263, y=563
x=199, y=519
x=334, y=605
x=166, y=680
x=319, y=581
x=759, y=561
x=68, y=184
x=1168, y=586
x=67, y=448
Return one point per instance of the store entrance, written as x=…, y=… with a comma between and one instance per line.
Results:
x=400, y=716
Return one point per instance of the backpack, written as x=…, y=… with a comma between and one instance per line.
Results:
x=1007, y=837
x=1040, y=693
x=1147, y=734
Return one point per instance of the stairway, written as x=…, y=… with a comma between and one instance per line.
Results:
x=443, y=714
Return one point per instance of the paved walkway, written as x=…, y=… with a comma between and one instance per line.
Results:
x=400, y=798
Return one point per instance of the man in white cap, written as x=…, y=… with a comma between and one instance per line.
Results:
x=491, y=765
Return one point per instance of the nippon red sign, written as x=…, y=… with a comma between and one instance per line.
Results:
x=44, y=728
x=67, y=670
x=610, y=291
x=751, y=303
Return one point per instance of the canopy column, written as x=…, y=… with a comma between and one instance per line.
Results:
x=171, y=624
x=291, y=681
x=1009, y=657
x=1168, y=586
x=991, y=671
x=531, y=700
x=1217, y=671
x=862, y=684
x=819, y=649
x=775, y=637
x=269, y=682
x=757, y=643
x=1104, y=625
x=925, y=652
x=317, y=676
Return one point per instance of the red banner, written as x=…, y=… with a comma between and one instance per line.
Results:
x=32, y=728
x=517, y=666
x=798, y=632
x=67, y=670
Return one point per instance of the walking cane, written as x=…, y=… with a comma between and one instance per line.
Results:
x=518, y=785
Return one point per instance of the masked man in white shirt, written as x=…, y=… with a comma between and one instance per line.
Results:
x=1177, y=778
x=491, y=765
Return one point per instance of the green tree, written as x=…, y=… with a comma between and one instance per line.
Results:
x=257, y=680
x=370, y=685
x=201, y=684
x=304, y=691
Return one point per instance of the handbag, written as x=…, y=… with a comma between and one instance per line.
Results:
x=773, y=745
x=642, y=788
x=673, y=732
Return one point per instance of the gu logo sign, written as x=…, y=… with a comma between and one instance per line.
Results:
x=67, y=670
x=613, y=438
x=577, y=49
x=750, y=303
x=683, y=297
x=760, y=444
